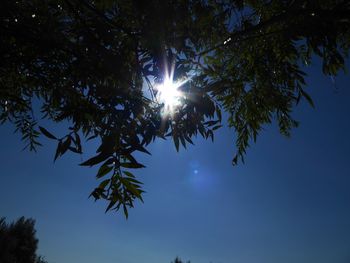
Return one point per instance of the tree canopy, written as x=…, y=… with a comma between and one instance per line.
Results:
x=99, y=65
x=18, y=242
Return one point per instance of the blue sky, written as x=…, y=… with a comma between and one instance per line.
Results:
x=289, y=203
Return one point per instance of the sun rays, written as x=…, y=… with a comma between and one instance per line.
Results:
x=169, y=93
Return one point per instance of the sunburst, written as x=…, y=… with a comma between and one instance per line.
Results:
x=168, y=92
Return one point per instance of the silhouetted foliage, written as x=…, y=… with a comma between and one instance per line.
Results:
x=96, y=65
x=178, y=260
x=18, y=243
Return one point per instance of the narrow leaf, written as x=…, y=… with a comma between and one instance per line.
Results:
x=132, y=165
x=47, y=133
x=95, y=160
x=104, y=169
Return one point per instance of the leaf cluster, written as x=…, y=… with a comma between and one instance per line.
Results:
x=96, y=65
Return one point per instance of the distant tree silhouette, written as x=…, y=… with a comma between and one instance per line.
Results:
x=40, y=259
x=178, y=260
x=18, y=243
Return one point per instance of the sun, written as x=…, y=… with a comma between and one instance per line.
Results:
x=169, y=94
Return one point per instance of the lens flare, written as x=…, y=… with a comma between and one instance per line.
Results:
x=169, y=94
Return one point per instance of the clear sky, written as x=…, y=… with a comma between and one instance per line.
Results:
x=289, y=203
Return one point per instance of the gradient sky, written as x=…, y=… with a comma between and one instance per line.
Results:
x=289, y=203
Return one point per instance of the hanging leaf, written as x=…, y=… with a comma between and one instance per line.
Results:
x=47, y=133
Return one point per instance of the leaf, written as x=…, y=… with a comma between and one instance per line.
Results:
x=92, y=137
x=130, y=187
x=188, y=139
x=183, y=141
x=235, y=160
x=211, y=123
x=132, y=165
x=95, y=195
x=95, y=160
x=77, y=141
x=210, y=134
x=142, y=149
x=104, y=169
x=176, y=142
x=47, y=133
x=104, y=183
x=216, y=127
x=128, y=174
x=58, y=150
x=111, y=204
x=135, y=181
x=65, y=145
x=218, y=113
x=125, y=211
x=201, y=130
x=74, y=150
x=308, y=98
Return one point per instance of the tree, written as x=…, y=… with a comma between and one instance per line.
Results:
x=100, y=66
x=18, y=242
x=178, y=260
